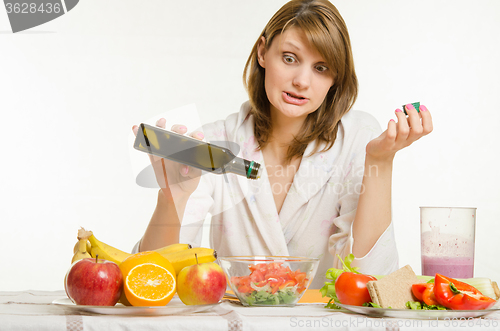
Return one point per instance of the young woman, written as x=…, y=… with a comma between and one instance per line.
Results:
x=326, y=184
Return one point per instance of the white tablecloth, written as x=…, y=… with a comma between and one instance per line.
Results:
x=33, y=310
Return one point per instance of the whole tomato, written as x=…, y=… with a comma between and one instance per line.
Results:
x=351, y=288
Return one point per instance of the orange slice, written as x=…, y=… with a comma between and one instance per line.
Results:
x=149, y=279
x=149, y=284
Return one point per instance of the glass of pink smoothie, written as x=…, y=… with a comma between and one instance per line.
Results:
x=447, y=241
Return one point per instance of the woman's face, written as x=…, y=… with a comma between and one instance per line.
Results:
x=297, y=77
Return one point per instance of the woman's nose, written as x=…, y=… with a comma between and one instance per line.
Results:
x=302, y=78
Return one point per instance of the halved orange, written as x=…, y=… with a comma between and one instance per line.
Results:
x=149, y=279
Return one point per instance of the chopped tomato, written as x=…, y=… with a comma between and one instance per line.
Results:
x=236, y=281
x=275, y=275
x=257, y=276
x=299, y=276
x=288, y=283
x=275, y=284
x=261, y=283
x=245, y=289
x=301, y=289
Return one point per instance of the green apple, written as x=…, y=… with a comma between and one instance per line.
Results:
x=201, y=284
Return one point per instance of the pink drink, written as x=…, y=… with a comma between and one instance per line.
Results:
x=454, y=267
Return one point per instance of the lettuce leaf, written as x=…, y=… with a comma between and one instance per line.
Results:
x=423, y=306
x=284, y=296
x=371, y=304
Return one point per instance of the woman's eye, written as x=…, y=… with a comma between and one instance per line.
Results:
x=288, y=59
x=321, y=68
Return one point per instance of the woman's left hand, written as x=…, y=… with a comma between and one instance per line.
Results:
x=401, y=134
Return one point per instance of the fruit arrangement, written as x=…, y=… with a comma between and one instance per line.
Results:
x=103, y=275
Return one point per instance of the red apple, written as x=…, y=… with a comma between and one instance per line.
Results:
x=94, y=282
x=201, y=284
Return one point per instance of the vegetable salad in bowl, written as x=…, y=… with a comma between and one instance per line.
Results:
x=269, y=280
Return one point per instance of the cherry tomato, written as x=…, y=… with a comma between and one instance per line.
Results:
x=351, y=288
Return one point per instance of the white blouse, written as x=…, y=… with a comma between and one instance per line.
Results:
x=317, y=215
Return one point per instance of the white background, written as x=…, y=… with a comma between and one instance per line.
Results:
x=71, y=89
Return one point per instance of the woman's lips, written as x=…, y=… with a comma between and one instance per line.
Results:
x=294, y=99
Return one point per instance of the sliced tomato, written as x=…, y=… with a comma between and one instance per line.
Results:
x=275, y=284
x=278, y=276
x=257, y=276
x=287, y=283
x=300, y=277
x=261, y=283
x=273, y=274
x=236, y=280
x=245, y=289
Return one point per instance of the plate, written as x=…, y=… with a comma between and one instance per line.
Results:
x=174, y=307
x=418, y=314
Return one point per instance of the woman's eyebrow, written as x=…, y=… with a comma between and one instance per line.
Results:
x=291, y=44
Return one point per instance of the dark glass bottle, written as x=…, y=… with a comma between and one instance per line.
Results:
x=192, y=152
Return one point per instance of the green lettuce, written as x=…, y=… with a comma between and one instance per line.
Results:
x=328, y=290
x=423, y=306
x=284, y=296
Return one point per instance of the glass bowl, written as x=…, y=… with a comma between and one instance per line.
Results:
x=269, y=280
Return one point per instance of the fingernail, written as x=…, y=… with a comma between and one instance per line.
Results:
x=398, y=110
x=393, y=120
x=423, y=108
x=200, y=135
x=185, y=170
x=409, y=106
x=182, y=127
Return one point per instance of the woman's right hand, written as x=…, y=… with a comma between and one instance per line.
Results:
x=177, y=181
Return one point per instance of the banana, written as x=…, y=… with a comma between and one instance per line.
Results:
x=105, y=251
x=172, y=248
x=111, y=253
x=77, y=246
x=191, y=256
x=81, y=252
x=180, y=255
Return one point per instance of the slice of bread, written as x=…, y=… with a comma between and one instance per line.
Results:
x=394, y=290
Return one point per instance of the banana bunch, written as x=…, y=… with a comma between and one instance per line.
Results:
x=180, y=255
x=82, y=247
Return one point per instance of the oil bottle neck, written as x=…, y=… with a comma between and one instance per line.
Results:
x=242, y=167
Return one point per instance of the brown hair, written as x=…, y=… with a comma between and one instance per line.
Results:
x=327, y=32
